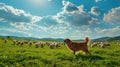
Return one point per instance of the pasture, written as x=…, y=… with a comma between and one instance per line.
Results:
x=25, y=56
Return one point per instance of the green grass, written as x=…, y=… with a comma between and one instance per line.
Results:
x=25, y=56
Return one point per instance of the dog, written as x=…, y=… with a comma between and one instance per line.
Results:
x=77, y=46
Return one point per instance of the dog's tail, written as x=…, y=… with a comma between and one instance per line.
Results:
x=87, y=40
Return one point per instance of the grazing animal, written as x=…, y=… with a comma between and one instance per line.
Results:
x=76, y=46
x=15, y=42
x=21, y=43
x=30, y=44
x=5, y=41
x=52, y=46
x=57, y=45
x=37, y=44
x=95, y=44
x=103, y=45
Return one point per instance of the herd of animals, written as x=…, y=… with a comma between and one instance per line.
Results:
x=74, y=46
x=102, y=44
x=37, y=44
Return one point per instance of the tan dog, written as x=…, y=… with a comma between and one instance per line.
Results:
x=76, y=46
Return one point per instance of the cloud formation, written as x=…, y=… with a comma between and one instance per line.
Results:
x=74, y=15
x=108, y=30
x=95, y=10
x=48, y=21
x=113, y=16
x=10, y=14
x=73, y=21
x=68, y=6
x=14, y=31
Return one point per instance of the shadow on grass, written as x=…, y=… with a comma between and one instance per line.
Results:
x=112, y=63
x=65, y=57
x=89, y=57
x=79, y=57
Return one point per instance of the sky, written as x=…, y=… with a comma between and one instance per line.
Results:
x=74, y=19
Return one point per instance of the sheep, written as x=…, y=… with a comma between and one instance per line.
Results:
x=37, y=44
x=5, y=41
x=21, y=43
x=18, y=43
x=14, y=42
x=30, y=43
x=42, y=44
x=57, y=45
x=26, y=42
x=103, y=45
x=95, y=44
x=48, y=43
x=51, y=45
x=100, y=44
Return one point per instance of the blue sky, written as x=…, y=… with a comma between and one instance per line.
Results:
x=74, y=19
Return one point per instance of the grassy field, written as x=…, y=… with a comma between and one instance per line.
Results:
x=25, y=56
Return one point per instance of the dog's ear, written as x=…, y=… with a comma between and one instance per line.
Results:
x=68, y=40
x=64, y=40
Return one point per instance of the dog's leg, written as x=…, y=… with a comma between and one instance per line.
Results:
x=87, y=52
x=73, y=52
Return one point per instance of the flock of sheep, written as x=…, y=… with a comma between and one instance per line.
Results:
x=53, y=45
x=100, y=44
x=37, y=44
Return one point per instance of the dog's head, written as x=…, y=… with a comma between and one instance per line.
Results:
x=67, y=40
x=87, y=39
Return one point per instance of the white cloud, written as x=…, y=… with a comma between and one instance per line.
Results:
x=53, y=29
x=13, y=30
x=113, y=16
x=110, y=31
x=74, y=15
x=70, y=17
x=95, y=10
x=81, y=33
x=48, y=21
x=88, y=31
x=94, y=21
x=98, y=0
x=10, y=14
x=59, y=29
x=68, y=6
x=21, y=26
x=73, y=22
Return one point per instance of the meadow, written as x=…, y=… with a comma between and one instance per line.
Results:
x=25, y=56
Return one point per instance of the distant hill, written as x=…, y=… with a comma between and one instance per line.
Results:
x=102, y=38
x=32, y=38
x=61, y=39
x=107, y=38
x=115, y=38
x=29, y=38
